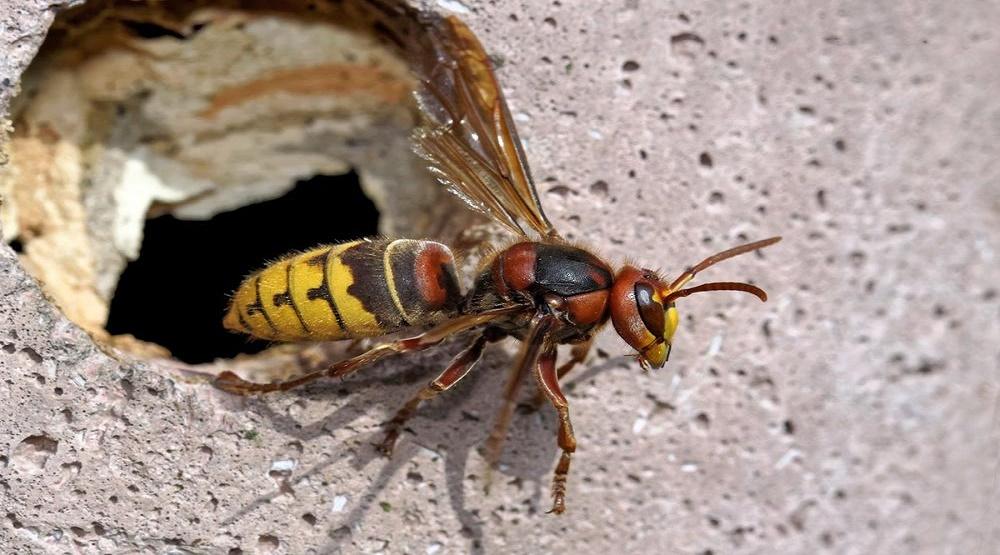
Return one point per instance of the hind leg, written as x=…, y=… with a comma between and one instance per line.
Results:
x=228, y=381
x=456, y=370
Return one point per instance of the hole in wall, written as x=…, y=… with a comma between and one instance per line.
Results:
x=141, y=121
x=176, y=292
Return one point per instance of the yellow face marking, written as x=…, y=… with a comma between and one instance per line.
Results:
x=672, y=320
x=659, y=347
x=359, y=322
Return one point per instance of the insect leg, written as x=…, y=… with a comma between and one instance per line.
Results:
x=228, y=381
x=548, y=381
x=577, y=354
x=456, y=370
x=540, y=326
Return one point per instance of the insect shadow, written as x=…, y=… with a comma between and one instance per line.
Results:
x=454, y=424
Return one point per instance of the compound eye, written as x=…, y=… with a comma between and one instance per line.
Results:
x=650, y=311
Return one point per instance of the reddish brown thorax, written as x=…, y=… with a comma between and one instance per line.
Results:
x=575, y=280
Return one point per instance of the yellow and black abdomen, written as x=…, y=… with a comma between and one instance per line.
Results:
x=360, y=289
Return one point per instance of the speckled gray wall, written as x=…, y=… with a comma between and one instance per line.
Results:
x=855, y=412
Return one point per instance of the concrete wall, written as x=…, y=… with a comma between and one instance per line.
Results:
x=855, y=412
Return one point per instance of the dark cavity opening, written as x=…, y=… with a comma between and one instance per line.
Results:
x=146, y=30
x=177, y=291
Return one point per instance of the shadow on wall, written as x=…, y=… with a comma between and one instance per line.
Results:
x=452, y=426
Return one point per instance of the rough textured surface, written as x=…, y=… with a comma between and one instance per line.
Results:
x=854, y=413
x=193, y=115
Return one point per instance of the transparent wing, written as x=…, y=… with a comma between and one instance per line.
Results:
x=467, y=134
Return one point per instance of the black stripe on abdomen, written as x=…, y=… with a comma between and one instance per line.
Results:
x=366, y=263
x=323, y=291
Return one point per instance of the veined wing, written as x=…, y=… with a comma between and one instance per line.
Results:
x=468, y=136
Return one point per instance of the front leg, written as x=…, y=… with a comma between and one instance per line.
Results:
x=548, y=381
x=577, y=355
x=538, y=330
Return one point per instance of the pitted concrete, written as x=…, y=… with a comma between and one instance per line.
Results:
x=855, y=412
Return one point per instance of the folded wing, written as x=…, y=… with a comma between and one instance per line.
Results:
x=467, y=134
